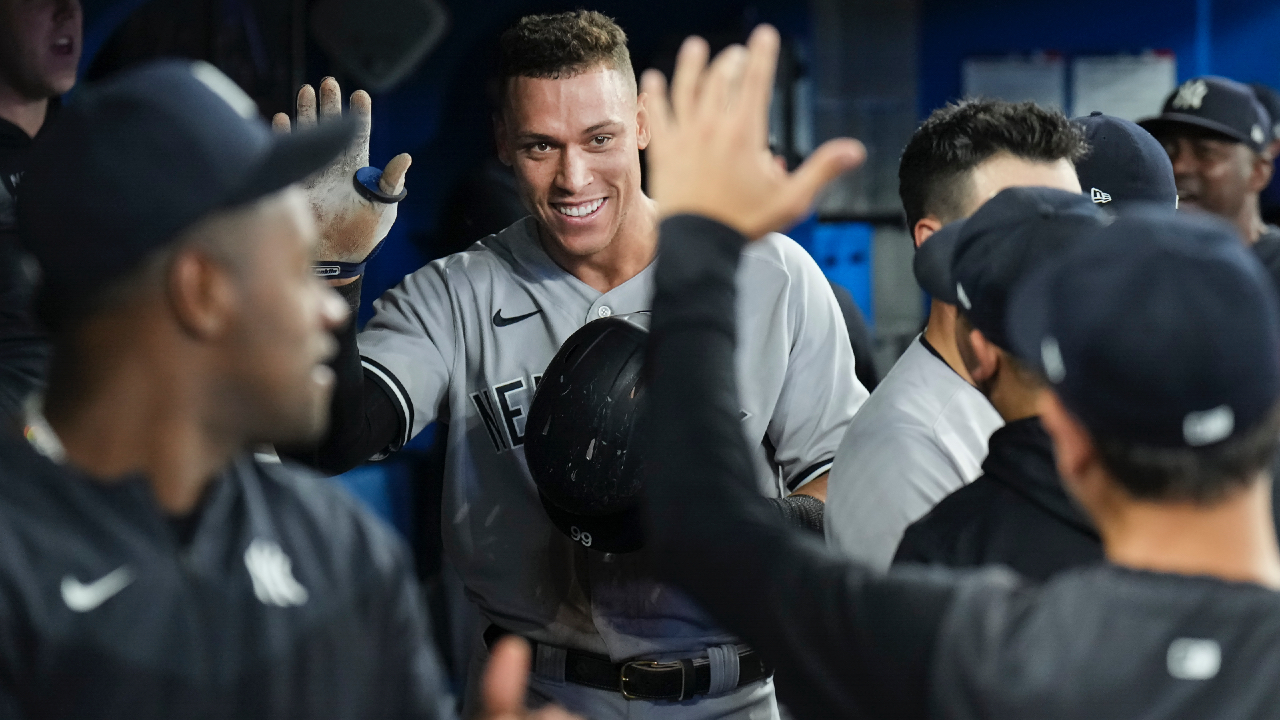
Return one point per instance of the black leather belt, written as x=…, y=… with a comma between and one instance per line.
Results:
x=646, y=679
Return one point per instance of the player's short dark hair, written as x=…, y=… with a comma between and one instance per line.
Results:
x=934, y=172
x=1201, y=475
x=562, y=45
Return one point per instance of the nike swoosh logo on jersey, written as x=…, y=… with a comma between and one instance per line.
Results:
x=499, y=321
x=82, y=598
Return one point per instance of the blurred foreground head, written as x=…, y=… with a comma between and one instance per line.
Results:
x=40, y=43
x=1159, y=335
x=173, y=247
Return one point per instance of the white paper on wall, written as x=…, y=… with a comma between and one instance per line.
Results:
x=1126, y=86
x=1040, y=78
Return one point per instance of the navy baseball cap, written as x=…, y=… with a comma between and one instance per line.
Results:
x=1270, y=100
x=1159, y=329
x=138, y=158
x=1125, y=165
x=1009, y=235
x=1214, y=103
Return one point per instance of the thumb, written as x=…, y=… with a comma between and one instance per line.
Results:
x=505, y=679
x=392, y=180
x=829, y=161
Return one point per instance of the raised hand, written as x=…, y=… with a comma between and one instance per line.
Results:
x=709, y=152
x=350, y=225
x=505, y=680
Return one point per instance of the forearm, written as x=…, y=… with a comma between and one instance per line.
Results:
x=835, y=633
x=362, y=419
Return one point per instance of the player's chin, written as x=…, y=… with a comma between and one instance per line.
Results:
x=583, y=240
x=303, y=416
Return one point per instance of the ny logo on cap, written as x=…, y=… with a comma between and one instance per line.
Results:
x=1099, y=197
x=1208, y=426
x=1190, y=95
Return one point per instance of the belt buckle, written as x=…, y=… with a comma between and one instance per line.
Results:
x=652, y=665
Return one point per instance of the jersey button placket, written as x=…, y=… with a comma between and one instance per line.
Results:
x=604, y=311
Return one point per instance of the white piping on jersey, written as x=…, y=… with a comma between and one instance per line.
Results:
x=395, y=389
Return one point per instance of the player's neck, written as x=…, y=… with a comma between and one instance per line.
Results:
x=941, y=334
x=1234, y=539
x=139, y=412
x=1250, y=223
x=22, y=111
x=631, y=250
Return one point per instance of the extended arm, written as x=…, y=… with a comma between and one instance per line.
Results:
x=844, y=642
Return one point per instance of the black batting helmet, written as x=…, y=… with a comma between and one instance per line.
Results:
x=579, y=431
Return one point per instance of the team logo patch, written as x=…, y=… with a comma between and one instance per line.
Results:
x=1194, y=658
x=1190, y=95
x=272, y=575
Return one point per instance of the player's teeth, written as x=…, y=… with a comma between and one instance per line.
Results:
x=580, y=210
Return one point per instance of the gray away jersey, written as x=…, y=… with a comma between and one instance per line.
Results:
x=921, y=436
x=464, y=340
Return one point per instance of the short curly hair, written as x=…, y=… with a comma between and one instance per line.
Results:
x=562, y=45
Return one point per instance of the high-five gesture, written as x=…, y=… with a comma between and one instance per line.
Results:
x=709, y=151
x=350, y=224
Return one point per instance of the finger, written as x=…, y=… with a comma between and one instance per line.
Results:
x=505, y=678
x=330, y=99
x=654, y=87
x=280, y=123
x=757, y=82
x=829, y=161
x=721, y=78
x=361, y=108
x=690, y=62
x=392, y=180
x=306, y=107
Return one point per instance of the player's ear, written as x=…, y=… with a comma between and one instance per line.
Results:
x=925, y=227
x=1262, y=168
x=500, y=140
x=985, y=354
x=642, y=121
x=1076, y=456
x=201, y=294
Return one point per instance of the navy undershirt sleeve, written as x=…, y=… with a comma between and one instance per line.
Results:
x=363, y=419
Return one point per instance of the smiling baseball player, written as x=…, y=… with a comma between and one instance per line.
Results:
x=465, y=340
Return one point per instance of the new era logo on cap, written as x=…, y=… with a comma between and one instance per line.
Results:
x=1099, y=197
x=1191, y=95
x=1257, y=134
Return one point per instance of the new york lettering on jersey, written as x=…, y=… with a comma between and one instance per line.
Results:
x=503, y=408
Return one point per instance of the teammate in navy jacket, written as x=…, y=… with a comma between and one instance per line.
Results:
x=150, y=566
x=1164, y=418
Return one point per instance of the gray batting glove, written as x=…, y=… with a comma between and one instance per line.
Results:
x=350, y=225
